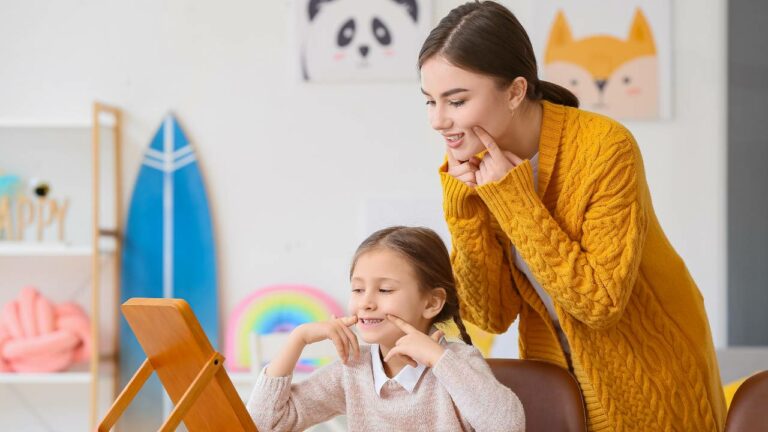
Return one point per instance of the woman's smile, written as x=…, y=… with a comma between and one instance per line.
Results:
x=454, y=141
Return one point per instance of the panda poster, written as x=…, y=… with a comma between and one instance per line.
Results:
x=617, y=62
x=346, y=41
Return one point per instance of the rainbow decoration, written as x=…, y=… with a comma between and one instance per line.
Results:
x=278, y=308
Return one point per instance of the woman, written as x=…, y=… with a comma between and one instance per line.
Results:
x=551, y=220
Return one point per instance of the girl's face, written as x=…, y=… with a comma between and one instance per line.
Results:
x=457, y=100
x=383, y=282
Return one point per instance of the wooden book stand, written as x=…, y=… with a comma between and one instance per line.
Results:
x=188, y=368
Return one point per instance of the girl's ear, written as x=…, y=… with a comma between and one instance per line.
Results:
x=435, y=302
x=516, y=92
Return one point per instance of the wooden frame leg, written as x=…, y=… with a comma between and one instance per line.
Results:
x=190, y=396
x=126, y=396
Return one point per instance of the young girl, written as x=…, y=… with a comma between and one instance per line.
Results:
x=409, y=378
x=551, y=221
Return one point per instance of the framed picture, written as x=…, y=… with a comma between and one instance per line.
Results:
x=345, y=41
x=617, y=62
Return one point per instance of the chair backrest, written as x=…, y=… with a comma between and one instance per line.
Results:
x=550, y=395
x=264, y=347
x=747, y=411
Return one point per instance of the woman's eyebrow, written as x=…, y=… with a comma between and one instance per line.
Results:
x=447, y=93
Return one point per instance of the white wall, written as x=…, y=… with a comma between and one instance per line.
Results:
x=289, y=166
x=685, y=157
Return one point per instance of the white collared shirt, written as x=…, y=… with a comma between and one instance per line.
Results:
x=408, y=377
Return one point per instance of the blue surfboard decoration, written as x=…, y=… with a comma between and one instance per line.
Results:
x=168, y=252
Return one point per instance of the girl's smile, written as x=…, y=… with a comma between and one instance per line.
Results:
x=369, y=324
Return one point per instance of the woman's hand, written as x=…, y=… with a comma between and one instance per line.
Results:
x=496, y=163
x=337, y=330
x=463, y=171
x=415, y=346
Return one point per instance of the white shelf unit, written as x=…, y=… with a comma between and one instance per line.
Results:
x=28, y=249
x=92, y=248
x=79, y=374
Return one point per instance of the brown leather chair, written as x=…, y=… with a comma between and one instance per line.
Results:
x=747, y=411
x=550, y=394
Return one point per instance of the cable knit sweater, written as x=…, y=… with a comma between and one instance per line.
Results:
x=641, y=345
x=459, y=393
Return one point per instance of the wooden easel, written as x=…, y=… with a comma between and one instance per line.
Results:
x=189, y=369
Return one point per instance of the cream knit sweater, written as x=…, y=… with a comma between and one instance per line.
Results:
x=459, y=393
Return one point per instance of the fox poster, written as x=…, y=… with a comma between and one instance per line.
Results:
x=617, y=62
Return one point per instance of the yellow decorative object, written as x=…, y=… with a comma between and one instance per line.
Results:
x=481, y=339
x=730, y=390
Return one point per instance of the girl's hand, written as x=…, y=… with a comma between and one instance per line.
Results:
x=463, y=171
x=496, y=163
x=337, y=330
x=415, y=346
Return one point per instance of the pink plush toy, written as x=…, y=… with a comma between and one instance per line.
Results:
x=38, y=336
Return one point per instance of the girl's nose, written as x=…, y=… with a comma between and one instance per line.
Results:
x=368, y=303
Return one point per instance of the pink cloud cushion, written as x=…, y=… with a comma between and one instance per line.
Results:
x=38, y=336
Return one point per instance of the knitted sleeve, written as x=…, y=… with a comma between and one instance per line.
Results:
x=465, y=374
x=487, y=295
x=590, y=278
x=277, y=405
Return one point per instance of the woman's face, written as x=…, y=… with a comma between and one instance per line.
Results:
x=458, y=100
x=384, y=283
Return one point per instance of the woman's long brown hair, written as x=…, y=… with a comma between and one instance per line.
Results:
x=486, y=38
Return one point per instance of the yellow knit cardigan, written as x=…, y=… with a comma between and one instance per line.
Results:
x=641, y=345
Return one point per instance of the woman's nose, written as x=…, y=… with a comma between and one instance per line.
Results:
x=439, y=120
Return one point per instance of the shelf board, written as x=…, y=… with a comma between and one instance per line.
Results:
x=31, y=249
x=46, y=378
x=34, y=123
x=79, y=374
x=105, y=120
